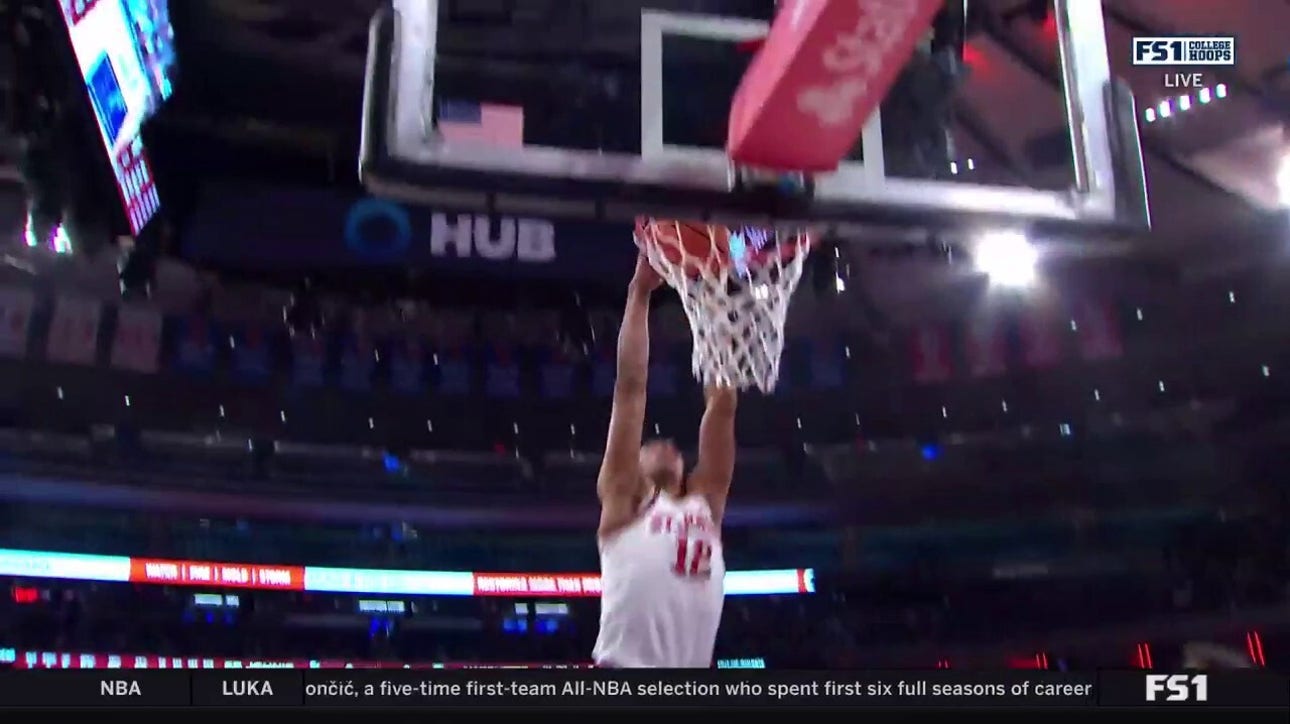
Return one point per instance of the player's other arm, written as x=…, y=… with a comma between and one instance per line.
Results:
x=618, y=484
x=716, y=464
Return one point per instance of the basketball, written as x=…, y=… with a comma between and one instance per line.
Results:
x=695, y=246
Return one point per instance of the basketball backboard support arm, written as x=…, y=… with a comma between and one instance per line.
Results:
x=403, y=157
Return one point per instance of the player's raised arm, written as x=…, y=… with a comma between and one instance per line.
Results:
x=619, y=482
x=716, y=464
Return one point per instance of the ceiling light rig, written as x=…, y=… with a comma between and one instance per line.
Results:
x=1007, y=258
x=1171, y=107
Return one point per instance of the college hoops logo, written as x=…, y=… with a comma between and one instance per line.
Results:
x=1177, y=687
x=1184, y=50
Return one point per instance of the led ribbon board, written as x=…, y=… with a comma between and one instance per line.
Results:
x=257, y=576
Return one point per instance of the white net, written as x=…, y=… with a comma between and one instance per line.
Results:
x=735, y=286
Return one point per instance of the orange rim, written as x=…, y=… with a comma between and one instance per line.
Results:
x=646, y=233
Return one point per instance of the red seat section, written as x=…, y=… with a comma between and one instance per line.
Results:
x=825, y=67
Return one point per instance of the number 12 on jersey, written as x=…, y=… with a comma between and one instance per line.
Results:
x=693, y=557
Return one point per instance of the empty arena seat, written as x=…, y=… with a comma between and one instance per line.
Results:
x=206, y=455
x=467, y=471
x=336, y=464
x=52, y=446
x=571, y=469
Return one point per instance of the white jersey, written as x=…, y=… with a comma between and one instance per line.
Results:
x=663, y=587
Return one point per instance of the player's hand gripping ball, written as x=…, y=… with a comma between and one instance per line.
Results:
x=645, y=279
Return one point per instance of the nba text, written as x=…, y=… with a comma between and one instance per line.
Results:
x=119, y=687
x=1177, y=687
x=651, y=688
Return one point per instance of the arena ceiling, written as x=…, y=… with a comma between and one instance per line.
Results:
x=290, y=72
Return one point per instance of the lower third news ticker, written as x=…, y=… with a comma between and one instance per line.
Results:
x=635, y=689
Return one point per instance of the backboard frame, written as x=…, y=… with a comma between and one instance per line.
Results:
x=402, y=157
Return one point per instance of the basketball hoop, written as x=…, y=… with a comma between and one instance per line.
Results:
x=735, y=286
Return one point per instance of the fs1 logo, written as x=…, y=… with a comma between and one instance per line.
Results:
x=1181, y=50
x=1177, y=687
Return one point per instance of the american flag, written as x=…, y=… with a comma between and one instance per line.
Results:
x=490, y=123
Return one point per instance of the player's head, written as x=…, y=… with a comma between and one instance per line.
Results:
x=662, y=466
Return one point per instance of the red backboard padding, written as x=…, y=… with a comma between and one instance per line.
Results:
x=825, y=67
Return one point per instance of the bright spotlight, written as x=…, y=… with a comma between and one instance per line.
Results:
x=1220, y=90
x=1283, y=179
x=1149, y=115
x=1184, y=103
x=1164, y=109
x=1204, y=95
x=1007, y=257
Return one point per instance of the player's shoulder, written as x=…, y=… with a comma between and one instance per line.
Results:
x=631, y=512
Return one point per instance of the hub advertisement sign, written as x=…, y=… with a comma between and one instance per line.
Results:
x=320, y=229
